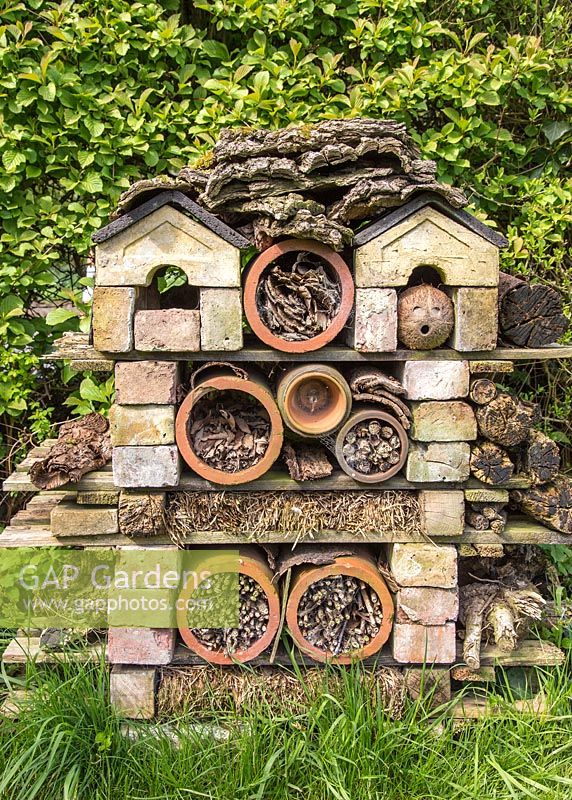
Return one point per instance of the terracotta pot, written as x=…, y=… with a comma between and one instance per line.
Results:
x=314, y=399
x=255, y=565
x=228, y=380
x=357, y=566
x=338, y=266
x=385, y=419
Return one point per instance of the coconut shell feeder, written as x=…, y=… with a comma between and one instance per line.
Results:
x=259, y=614
x=314, y=399
x=371, y=446
x=425, y=317
x=298, y=295
x=340, y=612
x=228, y=428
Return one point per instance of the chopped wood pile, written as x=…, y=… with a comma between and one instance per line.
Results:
x=298, y=298
x=309, y=181
x=230, y=431
x=372, y=385
x=530, y=314
x=339, y=614
x=253, y=618
x=83, y=444
x=486, y=516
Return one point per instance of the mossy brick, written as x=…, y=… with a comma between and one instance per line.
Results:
x=424, y=564
x=375, y=321
x=443, y=421
x=221, y=319
x=152, y=467
x=69, y=519
x=476, y=319
x=168, y=330
x=112, y=318
x=146, y=382
x=424, y=644
x=132, y=691
x=141, y=425
x=434, y=380
x=437, y=462
x=426, y=605
x=442, y=512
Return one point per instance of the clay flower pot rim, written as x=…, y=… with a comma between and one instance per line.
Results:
x=253, y=564
x=254, y=273
x=229, y=383
x=361, y=567
x=331, y=418
x=356, y=418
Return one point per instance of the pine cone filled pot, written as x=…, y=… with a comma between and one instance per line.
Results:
x=371, y=446
x=425, y=317
x=298, y=295
x=314, y=399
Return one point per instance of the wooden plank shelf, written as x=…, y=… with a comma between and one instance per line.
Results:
x=75, y=347
x=530, y=652
x=102, y=480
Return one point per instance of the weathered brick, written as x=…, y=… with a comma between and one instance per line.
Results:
x=166, y=237
x=142, y=425
x=488, y=367
x=442, y=512
x=69, y=519
x=476, y=319
x=221, y=319
x=438, y=462
x=486, y=495
x=427, y=237
x=434, y=380
x=132, y=691
x=112, y=319
x=426, y=605
x=168, y=330
x=443, y=421
x=419, y=644
x=154, y=646
x=142, y=382
x=424, y=565
x=153, y=467
x=375, y=325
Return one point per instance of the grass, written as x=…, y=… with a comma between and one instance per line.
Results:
x=69, y=745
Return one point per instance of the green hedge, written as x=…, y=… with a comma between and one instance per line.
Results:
x=99, y=93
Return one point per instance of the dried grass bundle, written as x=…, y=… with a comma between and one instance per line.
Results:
x=205, y=691
x=302, y=514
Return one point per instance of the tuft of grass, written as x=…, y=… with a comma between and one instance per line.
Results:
x=68, y=744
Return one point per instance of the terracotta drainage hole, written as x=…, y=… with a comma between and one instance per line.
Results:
x=229, y=430
x=254, y=615
x=298, y=296
x=372, y=447
x=340, y=614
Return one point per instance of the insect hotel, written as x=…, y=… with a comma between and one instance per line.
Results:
x=310, y=339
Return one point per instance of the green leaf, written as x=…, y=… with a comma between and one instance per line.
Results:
x=90, y=391
x=490, y=98
x=555, y=130
x=58, y=315
x=95, y=127
x=12, y=160
x=92, y=183
x=85, y=158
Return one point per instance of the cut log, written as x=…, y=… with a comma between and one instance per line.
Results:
x=476, y=520
x=550, y=504
x=475, y=599
x=505, y=420
x=502, y=621
x=491, y=464
x=530, y=315
x=83, y=445
x=482, y=391
x=540, y=457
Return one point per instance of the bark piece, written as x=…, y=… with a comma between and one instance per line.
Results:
x=306, y=462
x=371, y=385
x=505, y=420
x=83, y=445
x=491, y=464
x=531, y=315
x=550, y=504
x=141, y=514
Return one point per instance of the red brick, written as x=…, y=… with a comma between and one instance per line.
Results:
x=168, y=330
x=154, y=646
x=427, y=606
x=146, y=382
